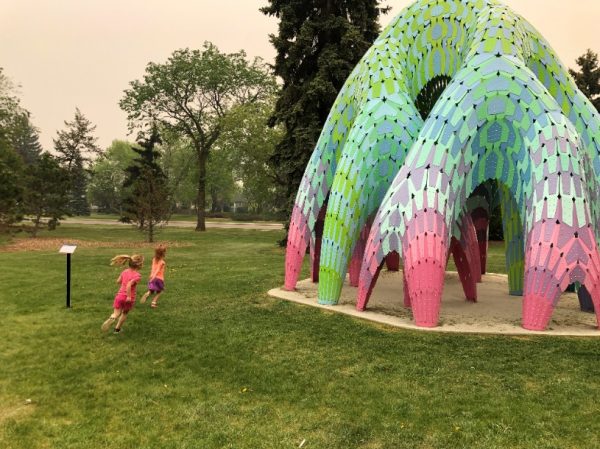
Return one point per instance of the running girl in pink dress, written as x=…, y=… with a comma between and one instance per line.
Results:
x=156, y=282
x=125, y=299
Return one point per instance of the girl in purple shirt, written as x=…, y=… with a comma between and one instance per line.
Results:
x=125, y=298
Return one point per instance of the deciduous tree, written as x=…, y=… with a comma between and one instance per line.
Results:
x=108, y=175
x=191, y=93
x=249, y=142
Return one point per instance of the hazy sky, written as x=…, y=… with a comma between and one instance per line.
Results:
x=68, y=53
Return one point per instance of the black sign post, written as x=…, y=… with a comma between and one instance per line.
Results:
x=68, y=250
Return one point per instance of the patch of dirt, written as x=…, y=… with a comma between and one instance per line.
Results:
x=496, y=312
x=53, y=244
x=16, y=411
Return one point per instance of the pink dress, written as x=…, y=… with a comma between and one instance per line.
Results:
x=120, y=300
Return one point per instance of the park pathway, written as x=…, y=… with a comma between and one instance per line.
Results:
x=260, y=225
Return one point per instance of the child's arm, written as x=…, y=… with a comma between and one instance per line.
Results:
x=128, y=290
x=119, y=279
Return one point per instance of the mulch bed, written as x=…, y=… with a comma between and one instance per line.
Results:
x=53, y=244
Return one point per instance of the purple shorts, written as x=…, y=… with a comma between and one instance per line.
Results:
x=121, y=303
x=156, y=285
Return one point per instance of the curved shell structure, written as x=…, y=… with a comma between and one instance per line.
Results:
x=510, y=127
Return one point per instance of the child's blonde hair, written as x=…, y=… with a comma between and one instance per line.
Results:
x=160, y=251
x=135, y=261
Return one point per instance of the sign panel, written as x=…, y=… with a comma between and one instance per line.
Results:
x=67, y=249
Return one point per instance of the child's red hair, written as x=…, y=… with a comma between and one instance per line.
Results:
x=159, y=252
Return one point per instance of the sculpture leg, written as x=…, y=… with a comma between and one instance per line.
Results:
x=425, y=252
x=596, y=301
x=298, y=238
x=514, y=244
x=557, y=255
x=592, y=281
x=407, y=302
x=366, y=288
x=464, y=270
x=316, y=254
x=586, y=304
x=357, y=256
x=541, y=295
x=482, y=223
x=392, y=261
x=470, y=244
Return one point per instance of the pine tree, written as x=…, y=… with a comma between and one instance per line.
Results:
x=76, y=147
x=318, y=45
x=588, y=78
x=11, y=186
x=147, y=200
x=25, y=139
x=46, y=197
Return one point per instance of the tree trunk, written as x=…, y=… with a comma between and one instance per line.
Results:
x=36, y=225
x=201, y=196
x=151, y=231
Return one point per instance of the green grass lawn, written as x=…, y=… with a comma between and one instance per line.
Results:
x=221, y=365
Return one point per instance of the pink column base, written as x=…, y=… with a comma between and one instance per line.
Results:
x=537, y=311
x=407, y=301
x=293, y=263
x=425, y=281
x=298, y=237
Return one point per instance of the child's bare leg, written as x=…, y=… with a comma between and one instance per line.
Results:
x=155, y=300
x=111, y=319
x=122, y=319
x=145, y=297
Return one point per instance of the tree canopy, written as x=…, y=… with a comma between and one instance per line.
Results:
x=76, y=147
x=107, y=176
x=588, y=77
x=318, y=45
x=191, y=93
x=146, y=200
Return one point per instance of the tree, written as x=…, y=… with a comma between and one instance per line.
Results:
x=147, y=203
x=9, y=104
x=46, y=197
x=318, y=45
x=25, y=139
x=249, y=142
x=76, y=148
x=107, y=175
x=588, y=77
x=220, y=181
x=11, y=187
x=182, y=176
x=191, y=94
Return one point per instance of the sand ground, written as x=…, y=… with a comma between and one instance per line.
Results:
x=496, y=312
